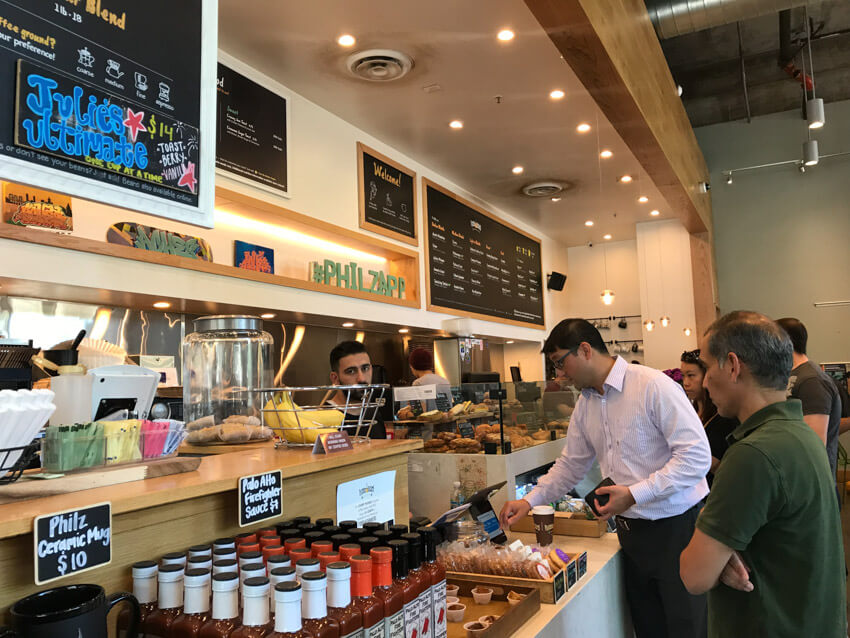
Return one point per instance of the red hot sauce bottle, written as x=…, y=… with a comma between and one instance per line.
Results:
x=144, y=589
x=314, y=606
x=388, y=592
x=196, y=604
x=255, y=604
x=287, y=612
x=411, y=586
x=437, y=576
x=340, y=606
x=225, y=607
x=170, y=602
x=372, y=608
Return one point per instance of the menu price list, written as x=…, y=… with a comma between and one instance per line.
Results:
x=478, y=265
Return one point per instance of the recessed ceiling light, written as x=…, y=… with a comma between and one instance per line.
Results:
x=643, y=199
x=348, y=324
x=456, y=124
x=588, y=223
x=517, y=170
x=557, y=94
x=511, y=341
x=404, y=330
x=556, y=199
x=606, y=236
x=655, y=213
x=606, y=154
x=268, y=315
x=162, y=304
x=346, y=40
x=505, y=35
x=584, y=127
x=625, y=179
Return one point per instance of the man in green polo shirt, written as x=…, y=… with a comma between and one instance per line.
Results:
x=767, y=546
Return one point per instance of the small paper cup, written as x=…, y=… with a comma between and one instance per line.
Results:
x=455, y=612
x=452, y=599
x=514, y=598
x=475, y=629
x=482, y=595
x=488, y=620
x=452, y=590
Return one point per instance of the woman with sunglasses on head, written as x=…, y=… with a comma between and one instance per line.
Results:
x=717, y=427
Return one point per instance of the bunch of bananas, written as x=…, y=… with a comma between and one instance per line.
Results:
x=280, y=412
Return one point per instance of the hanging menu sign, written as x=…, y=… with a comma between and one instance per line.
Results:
x=260, y=497
x=90, y=107
x=250, y=131
x=387, y=193
x=479, y=266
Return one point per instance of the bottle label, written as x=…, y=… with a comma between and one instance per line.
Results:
x=440, y=627
x=375, y=631
x=354, y=634
x=394, y=625
x=426, y=609
x=411, y=619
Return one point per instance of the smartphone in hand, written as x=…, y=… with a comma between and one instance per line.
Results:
x=593, y=499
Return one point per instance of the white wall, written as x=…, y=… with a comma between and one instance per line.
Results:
x=782, y=239
x=323, y=184
x=528, y=357
x=667, y=288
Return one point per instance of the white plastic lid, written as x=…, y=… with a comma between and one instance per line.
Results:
x=338, y=570
x=287, y=592
x=170, y=573
x=227, y=581
x=256, y=586
x=542, y=510
x=144, y=569
x=314, y=581
x=197, y=577
x=254, y=569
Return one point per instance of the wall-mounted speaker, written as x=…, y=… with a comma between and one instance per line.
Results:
x=556, y=281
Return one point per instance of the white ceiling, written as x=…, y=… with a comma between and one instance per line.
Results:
x=453, y=44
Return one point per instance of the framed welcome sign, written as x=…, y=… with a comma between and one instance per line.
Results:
x=89, y=108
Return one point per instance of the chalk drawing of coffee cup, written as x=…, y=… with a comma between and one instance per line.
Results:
x=141, y=81
x=113, y=69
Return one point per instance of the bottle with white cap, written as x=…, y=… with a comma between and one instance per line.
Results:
x=287, y=617
x=169, y=603
x=340, y=606
x=304, y=565
x=200, y=550
x=174, y=558
x=279, y=575
x=254, y=570
x=225, y=607
x=314, y=606
x=144, y=589
x=247, y=558
x=199, y=562
x=255, y=615
x=196, y=604
x=228, y=566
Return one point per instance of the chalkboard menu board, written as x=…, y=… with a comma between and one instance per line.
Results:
x=251, y=131
x=94, y=104
x=387, y=196
x=477, y=265
x=72, y=541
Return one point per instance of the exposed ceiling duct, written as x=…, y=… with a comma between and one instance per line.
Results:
x=677, y=17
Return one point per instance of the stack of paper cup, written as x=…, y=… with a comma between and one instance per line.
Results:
x=22, y=415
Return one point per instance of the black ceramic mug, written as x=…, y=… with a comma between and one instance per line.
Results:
x=75, y=611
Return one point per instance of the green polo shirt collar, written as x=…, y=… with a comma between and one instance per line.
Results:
x=788, y=410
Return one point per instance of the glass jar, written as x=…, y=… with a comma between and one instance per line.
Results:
x=469, y=532
x=224, y=358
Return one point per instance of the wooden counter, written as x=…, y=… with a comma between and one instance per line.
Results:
x=171, y=513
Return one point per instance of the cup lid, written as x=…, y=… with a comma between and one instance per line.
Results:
x=543, y=510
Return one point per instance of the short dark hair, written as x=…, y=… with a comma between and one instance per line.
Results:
x=758, y=341
x=569, y=334
x=343, y=349
x=797, y=331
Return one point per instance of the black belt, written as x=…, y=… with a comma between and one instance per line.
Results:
x=626, y=522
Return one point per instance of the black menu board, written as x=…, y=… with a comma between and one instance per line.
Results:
x=250, y=131
x=478, y=265
x=108, y=91
x=387, y=195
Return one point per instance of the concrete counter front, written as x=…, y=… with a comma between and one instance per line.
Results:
x=172, y=513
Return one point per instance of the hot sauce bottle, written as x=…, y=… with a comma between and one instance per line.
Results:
x=279, y=575
x=174, y=558
x=200, y=550
x=361, y=589
x=340, y=606
x=388, y=592
x=348, y=550
x=255, y=614
x=224, y=543
x=314, y=606
x=411, y=586
x=326, y=558
x=437, y=576
x=224, y=566
x=417, y=564
x=324, y=522
x=287, y=612
x=321, y=546
x=303, y=566
x=144, y=589
x=277, y=560
x=169, y=604
x=196, y=604
x=225, y=607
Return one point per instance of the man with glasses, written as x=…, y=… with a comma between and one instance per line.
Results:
x=639, y=425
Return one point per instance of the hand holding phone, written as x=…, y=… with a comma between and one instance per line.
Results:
x=594, y=500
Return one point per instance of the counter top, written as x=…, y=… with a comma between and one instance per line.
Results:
x=217, y=473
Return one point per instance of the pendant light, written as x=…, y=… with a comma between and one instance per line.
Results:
x=814, y=106
x=810, y=153
x=607, y=295
x=687, y=332
x=665, y=320
x=649, y=324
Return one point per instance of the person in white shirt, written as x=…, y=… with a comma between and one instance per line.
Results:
x=422, y=366
x=648, y=440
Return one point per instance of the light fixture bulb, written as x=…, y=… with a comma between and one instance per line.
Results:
x=607, y=297
x=162, y=304
x=649, y=324
x=687, y=332
x=505, y=35
x=729, y=178
x=625, y=179
x=556, y=199
x=557, y=94
x=346, y=40
x=606, y=154
x=665, y=321
x=348, y=324
x=810, y=152
x=655, y=213
x=267, y=315
x=679, y=90
x=509, y=342
x=643, y=199
x=517, y=170
x=588, y=223
x=606, y=236
x=456, y=124
x=814, y=113
x=404, y=331
x=584, y=127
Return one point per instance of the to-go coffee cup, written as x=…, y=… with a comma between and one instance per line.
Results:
x=544, y=523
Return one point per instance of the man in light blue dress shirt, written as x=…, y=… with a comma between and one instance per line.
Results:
x=649, y=441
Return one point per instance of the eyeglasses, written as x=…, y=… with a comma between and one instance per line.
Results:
x=691, y=356
x=559, y=364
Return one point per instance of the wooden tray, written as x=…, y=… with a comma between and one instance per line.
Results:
x=551, y=591
x=512, y=617
x=565, y=526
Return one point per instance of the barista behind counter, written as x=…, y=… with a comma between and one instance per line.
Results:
x=422, y=366
x=351, y=365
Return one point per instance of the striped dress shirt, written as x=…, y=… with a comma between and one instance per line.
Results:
x=645, y=434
